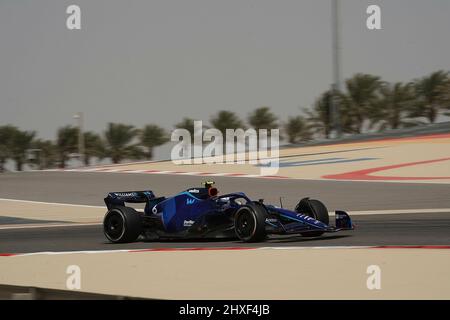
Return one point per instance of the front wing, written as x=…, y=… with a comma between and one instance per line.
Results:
x=288, y=222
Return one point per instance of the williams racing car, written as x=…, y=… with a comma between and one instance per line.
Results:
x=202, y=213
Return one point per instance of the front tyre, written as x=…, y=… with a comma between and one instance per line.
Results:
x=122, y=225
x=315, y=209
x=250, y=223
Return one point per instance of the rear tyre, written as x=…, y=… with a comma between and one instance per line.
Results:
x=122, y=224
x=317, y=210
x=250, y=223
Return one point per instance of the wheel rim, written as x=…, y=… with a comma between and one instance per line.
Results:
x=114, y=226
x=245, y=224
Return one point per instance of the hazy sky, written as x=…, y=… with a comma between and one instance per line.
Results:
x=157, y=61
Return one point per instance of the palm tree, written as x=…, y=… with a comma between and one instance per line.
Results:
x=119, y=142
x=444, y=96
x=6, y=133
x=263, y=118
x=152, y=136
x=297, y=129
x=226, y=120
x=188, y=124
x=20, y=144
x=46, y=153
x=93, y=147
x=392, y=108
x=362, y=96
x=320, y=115
x=430, y=91
x=66, y=143
x=320, y=120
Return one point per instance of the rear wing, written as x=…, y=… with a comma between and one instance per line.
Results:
x=119, y=198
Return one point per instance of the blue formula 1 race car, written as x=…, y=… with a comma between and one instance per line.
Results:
x=202, y=213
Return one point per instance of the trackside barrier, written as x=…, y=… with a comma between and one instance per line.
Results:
x=11, y=292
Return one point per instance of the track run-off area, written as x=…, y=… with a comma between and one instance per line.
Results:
x=63, y=211
x=402, y=226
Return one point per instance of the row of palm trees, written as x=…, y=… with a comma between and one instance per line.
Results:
x=118, y=142
x=367, y=104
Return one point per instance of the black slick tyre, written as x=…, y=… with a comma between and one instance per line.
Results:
x=122, y=225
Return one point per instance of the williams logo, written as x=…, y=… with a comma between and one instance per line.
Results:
x=190, y=201
x=125, y=194
x=188, y=223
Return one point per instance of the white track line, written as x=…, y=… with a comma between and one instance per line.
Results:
x=171, y=250
x=70, y=224
x=168, y=172
x=52, y=203
x=399, y=211
x=351, y=212
x=236, y=175
x=48, y=225
x=68, y=252
x=194, y=249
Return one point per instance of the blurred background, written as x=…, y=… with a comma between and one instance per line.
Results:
x=138, y=69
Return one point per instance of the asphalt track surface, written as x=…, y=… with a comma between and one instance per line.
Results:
x=90, y=188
